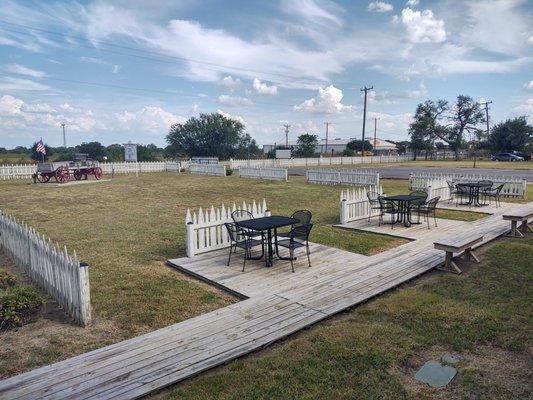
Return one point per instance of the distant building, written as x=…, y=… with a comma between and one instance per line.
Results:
x=339, y=145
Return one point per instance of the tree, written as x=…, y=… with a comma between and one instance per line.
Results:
x=39, y=156
x=115, y=152
x=64, y=153
x=95, y=150
x=208, y=135
x=512, y=135
x=355, y=145
x=306, y=145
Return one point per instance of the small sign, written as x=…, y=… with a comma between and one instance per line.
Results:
x=130, y=152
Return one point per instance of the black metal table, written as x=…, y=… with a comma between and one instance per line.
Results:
x=269, y=224
x=403, y=202
x=474, y=189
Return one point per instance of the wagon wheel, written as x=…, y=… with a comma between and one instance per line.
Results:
x=77, y=174
x=62, y=175
x=97, y=171
x=42, y=178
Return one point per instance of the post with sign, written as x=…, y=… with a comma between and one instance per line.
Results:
x=130, y=154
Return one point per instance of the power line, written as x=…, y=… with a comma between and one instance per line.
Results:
x=174, y=58
x=365, y=89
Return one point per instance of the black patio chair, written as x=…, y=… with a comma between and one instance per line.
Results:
x=238, y=239
x=373, y=200
x=428, y=209
x=387, y=207
x=453, y=190
x=494, y=194
x=299, y=237
x=244, y=215
x=462, y=192
x=303, y=217
x=416, y=204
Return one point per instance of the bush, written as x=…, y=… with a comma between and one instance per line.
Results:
x=229, y=172
x=18, y=304
x=6, y=280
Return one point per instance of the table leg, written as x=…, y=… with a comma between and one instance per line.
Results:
x=514, y=231
x=270, y=256
x=407, y=218
x=449, y=265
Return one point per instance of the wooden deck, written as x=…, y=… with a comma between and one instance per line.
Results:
x=279, y=303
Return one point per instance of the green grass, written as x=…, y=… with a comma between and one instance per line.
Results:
x=369, y=352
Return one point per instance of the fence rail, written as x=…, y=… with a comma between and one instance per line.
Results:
x=342, y=177
x=513, y=186
x=275, y=174
x=52, y=268
x=205, y=230
x=317, y=161
x=208, y=169
x=354, y=204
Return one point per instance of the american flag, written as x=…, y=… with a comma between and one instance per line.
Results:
x=40, y=147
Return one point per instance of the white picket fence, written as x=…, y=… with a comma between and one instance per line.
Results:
x=52, y=268
x=26, y=171
x=208, y=169
x=354, y=204
x=316, y=161
x=274, y=174
x=205, y=230
x=342, y=177
x=513, y=186
x=433, y=186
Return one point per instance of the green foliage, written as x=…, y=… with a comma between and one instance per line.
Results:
x=355, y=145
x=306, y=145
x=95, y=150
x=211, y=135
x=229, y=171
x=512, y=135
x=6, y=280
x=18, y=304
x=115, y=152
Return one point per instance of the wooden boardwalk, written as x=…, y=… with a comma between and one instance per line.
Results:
x=278, y=304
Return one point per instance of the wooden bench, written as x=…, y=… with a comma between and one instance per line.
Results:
x=519, y=215
x=461, y=243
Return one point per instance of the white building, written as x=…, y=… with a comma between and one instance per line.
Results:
x=338, y=145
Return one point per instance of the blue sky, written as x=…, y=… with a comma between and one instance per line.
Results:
x=115, y=71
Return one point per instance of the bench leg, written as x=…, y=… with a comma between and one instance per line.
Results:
x=469, y=255
x=449, y=265
x=525, y=228
x=514, y=231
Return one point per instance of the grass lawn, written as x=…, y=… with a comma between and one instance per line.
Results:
x=373, y=351
x=126, y=229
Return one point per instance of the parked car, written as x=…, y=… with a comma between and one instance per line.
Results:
x=525, y=156
x=506, y=157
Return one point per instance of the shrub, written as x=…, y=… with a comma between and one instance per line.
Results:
x=6, y=280
x=18, y=304
x=229, y=172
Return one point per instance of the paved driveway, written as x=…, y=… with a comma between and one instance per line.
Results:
x=403, y=172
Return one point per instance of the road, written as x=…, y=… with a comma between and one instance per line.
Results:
x=403, y=172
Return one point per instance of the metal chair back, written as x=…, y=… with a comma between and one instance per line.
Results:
x=235, y=233
x=422, y=197
x=301, y=233
x=241, y=215
x=373, y=197
x=431, y=205
x=303, y=216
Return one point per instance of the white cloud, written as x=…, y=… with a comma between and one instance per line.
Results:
x=116, y=69
x=323, y=13
x=530, y=39
x=327, y=101
x=525, y=107
x=528, y=85
x=229, y=116
x=10, y=105
x=412, y=3
x=22, y=70
x=230, y=83
x=149, y=119
x=234, y=101
x=380, y=6
x=8, y=83
x=422, y=27
x=263, y=88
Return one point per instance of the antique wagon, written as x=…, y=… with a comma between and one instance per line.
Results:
x=62, y=171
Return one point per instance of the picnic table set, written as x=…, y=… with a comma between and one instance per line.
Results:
x=247, y=232
x=475, y=193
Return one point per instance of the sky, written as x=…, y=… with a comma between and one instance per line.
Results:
x=118, y=71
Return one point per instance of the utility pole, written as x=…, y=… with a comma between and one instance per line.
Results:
x=64, y=136
x=375, y=130
x=486, y=105
x=327, y=131
x=365, y=89
x=287, y=126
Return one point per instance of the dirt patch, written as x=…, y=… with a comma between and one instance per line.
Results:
x=50, y=337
